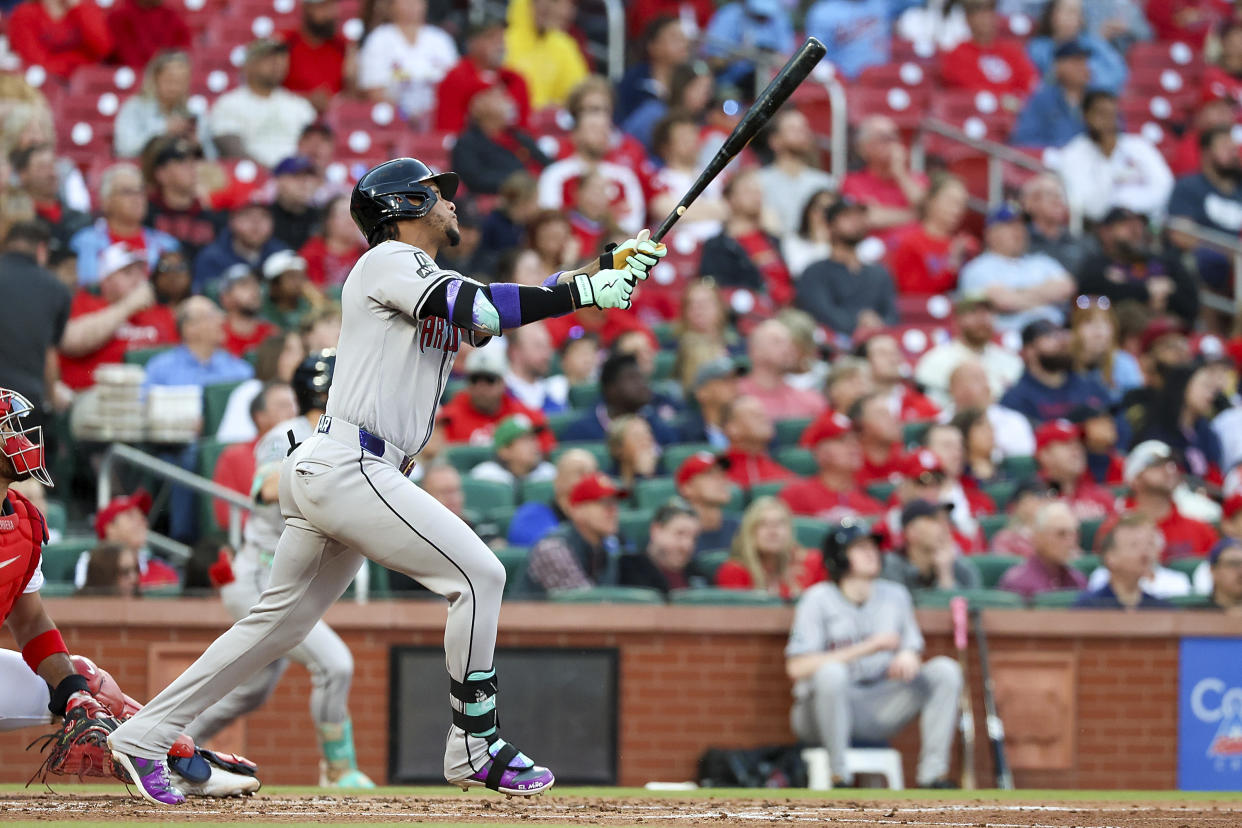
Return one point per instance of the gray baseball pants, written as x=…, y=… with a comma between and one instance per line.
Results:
x=837, y=710
x=341, y=503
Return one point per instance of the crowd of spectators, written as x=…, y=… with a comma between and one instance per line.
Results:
x=794, y=363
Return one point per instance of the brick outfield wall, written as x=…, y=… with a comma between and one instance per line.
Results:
x=691, y=677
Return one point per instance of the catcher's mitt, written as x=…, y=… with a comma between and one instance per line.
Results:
x=79, y=746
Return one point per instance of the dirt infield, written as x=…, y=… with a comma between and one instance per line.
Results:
x=571, y=809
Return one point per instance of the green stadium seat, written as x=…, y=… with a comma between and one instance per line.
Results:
x=798, y=460
x=215, y=401
x=562, y=420
x=163, y=591
x=141, y=356
x=675, y=455
x=712, y=596
x=881, y=491
x=977, y=598
x=1087, y=530
x=810, y=532
x=56, y=516
x=991, y=524
x=912, y=434
x=57, y=589
x=608, y=595
x=738, y=500
x=1186, y=566
x=486, y=495
x=514, y=560
x=653, y=493
x=585, y=395
x=706, y=563
x=598, y=448
x=1056, y=598
x=992, y=567
x=1001, y=493
x=209, y=451
x=635, y=526
x=464, y=457
x=61, y=558
x=664, y=361
x=788, y=432
x=541, y=491
x=771, y=489
x=495, y=520
x=1087, y=564
x=1019, y=468
x=665, y=333
x=1202, y=602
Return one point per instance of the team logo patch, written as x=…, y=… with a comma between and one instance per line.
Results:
x=8, y=523
x=325, y=423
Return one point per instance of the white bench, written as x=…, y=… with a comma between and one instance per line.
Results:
x=880, y=760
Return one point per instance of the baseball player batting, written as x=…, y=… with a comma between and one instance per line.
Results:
x=323, y=653
x=345, y=494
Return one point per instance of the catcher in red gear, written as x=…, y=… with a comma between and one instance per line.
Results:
x=42, y=682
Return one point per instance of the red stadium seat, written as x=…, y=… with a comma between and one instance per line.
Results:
x=432, y=148
x=907, y=106
x=909, y=73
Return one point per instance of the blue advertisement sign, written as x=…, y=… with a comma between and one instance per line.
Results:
x=1209, y=729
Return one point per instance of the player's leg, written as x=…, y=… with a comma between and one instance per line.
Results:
x=824, y=716
x=24, y=696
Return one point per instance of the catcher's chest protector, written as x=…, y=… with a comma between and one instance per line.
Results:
x=21, y=538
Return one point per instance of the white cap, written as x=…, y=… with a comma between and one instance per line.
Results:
x=1144, y=456
x=117, y=256
x=487, y=361
x=280, y=261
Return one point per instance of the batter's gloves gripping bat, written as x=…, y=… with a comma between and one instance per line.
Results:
x=637, y=255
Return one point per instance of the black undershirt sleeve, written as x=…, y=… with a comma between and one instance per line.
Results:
x=535, y=303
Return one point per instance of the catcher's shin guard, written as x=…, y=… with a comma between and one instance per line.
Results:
x=508, y=770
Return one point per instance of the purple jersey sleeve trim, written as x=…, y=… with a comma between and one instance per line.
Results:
x=551, y=280
x=507, y=299
x=450, y=296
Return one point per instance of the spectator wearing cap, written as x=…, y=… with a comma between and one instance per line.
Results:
x=585, y=551
x=1022, y=286
x=1128, y=267
x=973, y=340
x=888, y=369
x=743, y=25
x=765, y=554
x=241, y=299
x=857, y=34
x=841, y=291
x=539, y=47
x=121, y=317
x=493, y=146
x=989, y=62
x=1017, y=537
x=161, y=107
x=1105, y=464
x=1062, y=465
x=665, y=563
x=1049, y=388
x=200, y=359
x=474, y=412
x=925, y=258
x=750, y=431
x=518, y=455
x=1048, y=569
x=886, y=185
x=294, y=214
x=37, y=177
x=1128, y=556
x=247, y=239
x=533, y=519
x=1211, y=197
x=123, y=521
x=1188, y=21
x=260, y=119
x=924, y=479
x=1105, y=168
x=289, y=297
x=884, y=459
x=402, y=61
x=1052, y=117
x=969, y=391
x=833, y=493
x=770, y=349
x=529, y=377
x=123, y=205
x=333, y=251
x=1047, y=222
x=624, y=389
x=321, y=59
x=794, y=175
x=177, y=205
x=481, y=67
x=1154, y=479
x=59, y=35
x=665, y=47
x=703, y=482
x=141, y=29
x=713, y=387
x=946, y=442
x=1063, y=26
x=929, y=557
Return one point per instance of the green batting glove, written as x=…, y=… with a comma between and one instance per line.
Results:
x=605, y=289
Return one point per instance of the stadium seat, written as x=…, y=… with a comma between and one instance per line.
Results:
x=653, y=493
x=141, y=356
x=772, y=489
x=1019, y=468
x=991, y=524
x=992, y=567
x=56, y=516
x=675, y=455
x=514, y=560
x=584, y=396
x=1192, y=601
x=797, y=459
x=881, y=491
x=538, y=491
x=597, y=447
x=912, y=434
x=60, y=559
x=57, y=589
x=1087, y=530
x=713, y=596
x=664, y=361
x=635, y=526
x=1001, y=492
x=1055, y=599
x=1186, y=566
x=977, y=598
x=707, y=563
x=607, y=595
x=1087, y=564
x=809, y=532
x=485, y=495
x=789, y=431
x=561, y=420
x=464, y=457
x=215, y=401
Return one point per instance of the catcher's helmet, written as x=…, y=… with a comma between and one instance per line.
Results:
x=840, y=538
x=312, y=379
x=397, y=189
x=23, y=445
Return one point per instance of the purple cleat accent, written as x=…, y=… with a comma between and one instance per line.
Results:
x=151, y=778
x=510, y=772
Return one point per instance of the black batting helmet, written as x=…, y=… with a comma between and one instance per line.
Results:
x=397, y=189
x=312, y=379
x=841, y=536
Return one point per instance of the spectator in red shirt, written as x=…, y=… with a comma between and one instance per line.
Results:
x=59, y=35
x=36, y=170
x=833, y=493
x=766, y=555
x=745, y=255
x=884, y=357
x=1217, y=110
x=1189, y=21
x=879, y=433
x=591, y=137
x=988, y=62
x=332, y=252
x=595, y=94
x=235, y=467
x=123, y=316
x=891, y=191
x=1062, y=463
x=969, y=504
x=481, y=68
x=321, y=59
x=492, y=147
x=770, y=349
x=473, y=414
x=928, y=255
x=1105, y=465
x=241, y=298
x=750, y=431
x=141, y=29
x=1153, y=477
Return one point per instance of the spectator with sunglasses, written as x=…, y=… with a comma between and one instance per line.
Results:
x=171, y=279
x=474, y=414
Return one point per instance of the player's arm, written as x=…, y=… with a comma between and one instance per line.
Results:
x=491, y=309
x=45, y=653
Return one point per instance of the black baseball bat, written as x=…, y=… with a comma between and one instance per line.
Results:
x=764, y=107
x=996, y=728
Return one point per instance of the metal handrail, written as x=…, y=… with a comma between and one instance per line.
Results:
x=615, y=13
x=1221, y=243
x=839, y=139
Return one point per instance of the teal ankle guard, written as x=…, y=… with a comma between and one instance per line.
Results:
x=477, y=695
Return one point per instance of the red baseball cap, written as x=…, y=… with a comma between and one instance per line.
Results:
x=827, y=426
x=1232, y=505
x=1056, y=431
x=697, y=463
x=595, y=487
x=1158, y=329
x=922, y=462
x=138, y=500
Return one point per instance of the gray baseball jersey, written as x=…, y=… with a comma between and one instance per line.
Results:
x=263, y=529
